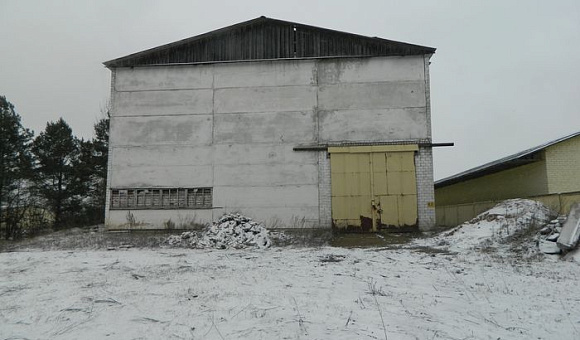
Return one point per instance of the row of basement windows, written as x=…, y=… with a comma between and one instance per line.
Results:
x=176, y=198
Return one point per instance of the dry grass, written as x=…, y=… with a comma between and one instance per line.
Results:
x=87, y=238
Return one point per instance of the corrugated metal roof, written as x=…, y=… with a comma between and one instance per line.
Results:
x=505, y=163
x=267, y=38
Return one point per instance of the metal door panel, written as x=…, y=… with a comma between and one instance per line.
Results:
x=337, y=166
x=337, y=183
x=407, y=205
x=339, y=211
x=380, y=187
x=407, y=161
x=394, y=186
x=390, y=210
x=393, y=161
x=379, y=161
x=373, y=187
x=364, y=187
x=365, y=208
x=408, y=183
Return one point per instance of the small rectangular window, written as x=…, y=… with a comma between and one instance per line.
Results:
x=151, y=198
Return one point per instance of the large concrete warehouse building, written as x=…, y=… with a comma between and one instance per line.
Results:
x=293, y=125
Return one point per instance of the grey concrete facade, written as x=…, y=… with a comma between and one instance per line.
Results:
x=233, y=126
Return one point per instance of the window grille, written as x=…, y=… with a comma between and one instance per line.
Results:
x=150, y=198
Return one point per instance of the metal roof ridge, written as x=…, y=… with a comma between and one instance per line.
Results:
x=483, y=167
x=183, y=41
x=113, y=62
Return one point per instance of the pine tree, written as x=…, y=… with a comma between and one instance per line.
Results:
x=91, y=175
x=100, y=156
x=57, y=152
x=15, y=165
x=86, y=185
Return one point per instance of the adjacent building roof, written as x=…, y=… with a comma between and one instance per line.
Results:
x=520, y=158
x=267, y=38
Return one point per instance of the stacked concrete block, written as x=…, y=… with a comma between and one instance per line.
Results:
x=425, y=189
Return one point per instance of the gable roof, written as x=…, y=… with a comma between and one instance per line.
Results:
x=520, y=158
x=267, y=38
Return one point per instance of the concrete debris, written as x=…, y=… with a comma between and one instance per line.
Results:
x=545, y=230
x=230, y=231
x=560, y=234
x=548, y=236
x=549, y=247
x=571, y=229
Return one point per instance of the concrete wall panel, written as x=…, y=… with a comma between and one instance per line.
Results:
x=266, y=174
x=274, y=128
x=192, y=130
x=361, y=70
x=372, y=125
x=267, y=73
x=241, y=154
x=164, y=78
x=163, y=103
x=167, y=155
x=390, y=95
x=158, y=219
x=278, y=217
x=265, y=99
x=162, y=176
x=266, y=197
x=226, y=154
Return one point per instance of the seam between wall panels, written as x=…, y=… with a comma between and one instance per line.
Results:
x=213, y=218
x=317, y=139
x=237, y=87
x=427, y=95
x=316, y=110
x=319, y=193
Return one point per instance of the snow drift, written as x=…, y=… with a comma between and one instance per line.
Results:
x=497, y=225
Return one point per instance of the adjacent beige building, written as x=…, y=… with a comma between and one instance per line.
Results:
x=549, y=173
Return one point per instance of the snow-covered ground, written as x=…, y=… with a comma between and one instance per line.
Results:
x=485, y=279
x=285, y=293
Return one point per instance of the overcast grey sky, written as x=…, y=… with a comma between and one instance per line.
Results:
x=505, y=76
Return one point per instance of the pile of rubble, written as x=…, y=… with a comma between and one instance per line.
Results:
x=561, y=234
x=519, y=228
x=549, y=236
x=230, y=231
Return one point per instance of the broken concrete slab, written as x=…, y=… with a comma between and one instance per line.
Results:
x=549, y=247
x=571, y=230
